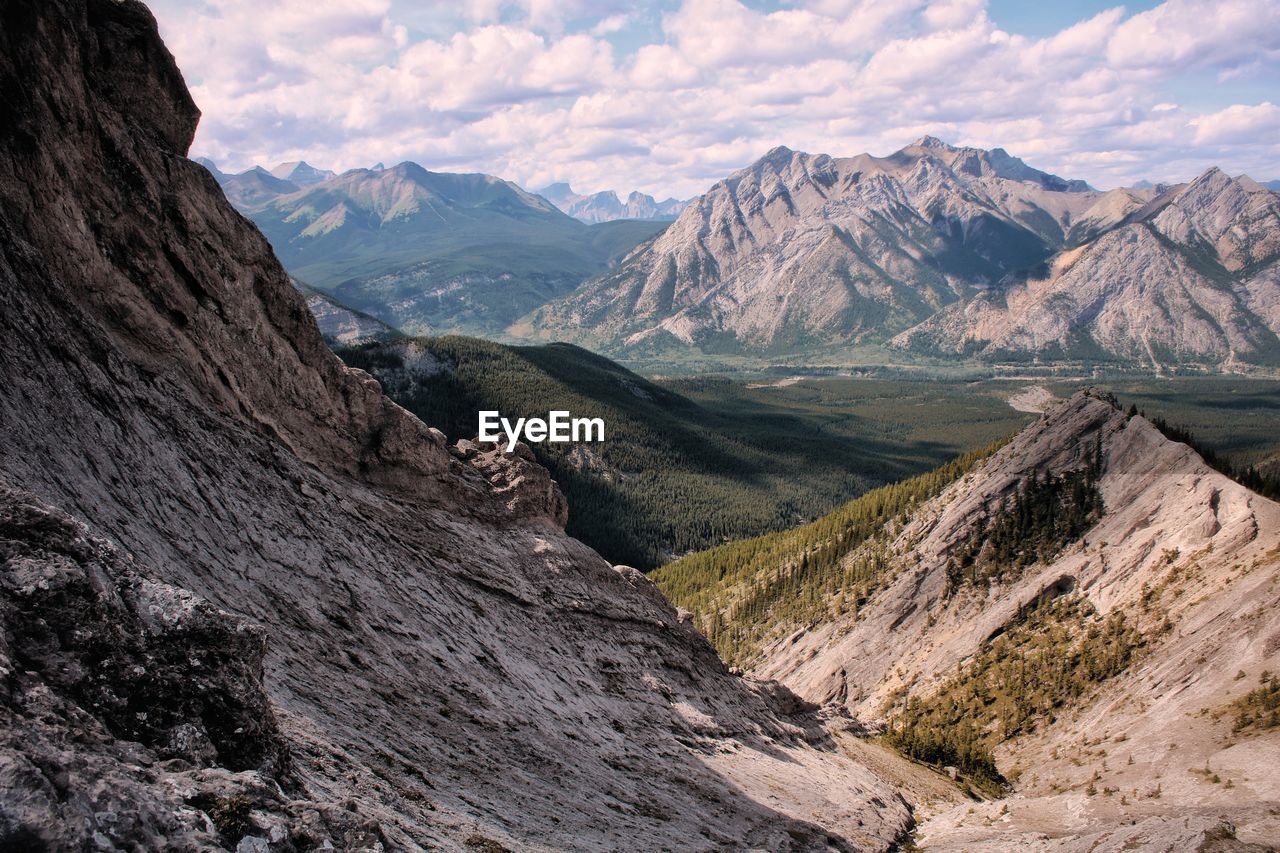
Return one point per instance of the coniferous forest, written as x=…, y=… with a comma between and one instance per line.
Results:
x=1059, y=652
x=747, y=592
x=688, y=463
x=1043, y=514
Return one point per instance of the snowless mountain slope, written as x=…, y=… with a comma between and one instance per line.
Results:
x=1178, y=580
x=1187, y=281
x=945, y=252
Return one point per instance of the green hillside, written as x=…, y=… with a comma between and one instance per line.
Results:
x=743, y=591
x=691, y=463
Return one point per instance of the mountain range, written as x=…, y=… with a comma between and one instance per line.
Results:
x=605, y=206
x=946, y=252
x=934, y=254
x=248, y=602
x=426, y=252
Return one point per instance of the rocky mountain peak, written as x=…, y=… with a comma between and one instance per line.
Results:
x=1206, y=187
x=933, y=142
x=1238, y=221
x=776, y=160
x=301, y=173
x=730, y=262
x=982, y=163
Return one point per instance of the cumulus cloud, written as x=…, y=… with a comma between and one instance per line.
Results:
x=1238, y=123
x=670, y=97
x=1179, y=33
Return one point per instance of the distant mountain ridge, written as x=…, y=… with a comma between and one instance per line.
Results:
x=946, y=252
x=605, y=206
x=935, y=252
x=301, y=173
x=426, y=252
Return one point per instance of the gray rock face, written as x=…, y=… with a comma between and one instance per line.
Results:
x=134, y=712
x=1187, y=279
x=444, y=666
x=154, y=664
x=948, y=252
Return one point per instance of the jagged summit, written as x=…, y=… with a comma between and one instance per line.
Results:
x=995, y=162
x=948, y=252
x=606, y=206
x=778, y=154
x=932, y=142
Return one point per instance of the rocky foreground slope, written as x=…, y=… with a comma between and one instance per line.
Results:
x=247, y=600
x=1167, y=614
x=946, y=252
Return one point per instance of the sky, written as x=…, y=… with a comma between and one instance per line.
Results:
x=668, y=97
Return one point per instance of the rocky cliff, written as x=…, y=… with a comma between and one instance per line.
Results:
x=248, y=600
x=947, y=252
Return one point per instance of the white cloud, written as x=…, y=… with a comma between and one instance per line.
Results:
x=611, y=24
x=533, y=90
x=1238, y=123
x=1186, y=32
